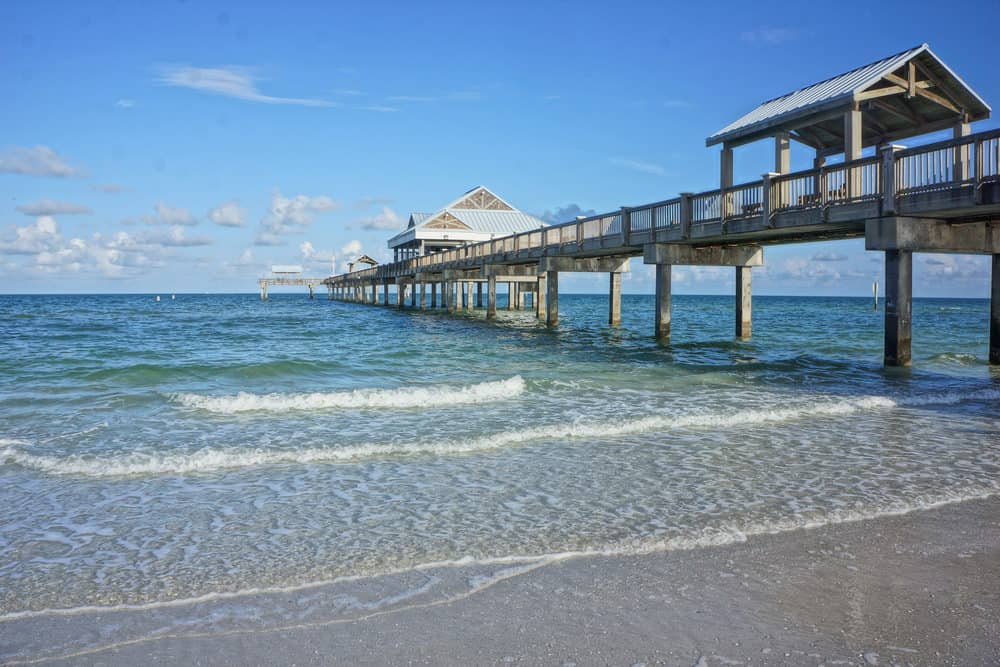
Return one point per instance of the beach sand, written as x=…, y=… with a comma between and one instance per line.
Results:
x=915, y=589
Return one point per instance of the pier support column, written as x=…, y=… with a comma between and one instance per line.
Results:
x=491, y=298
x=511, y=297
x=400, y=295
x=615, y=300
x=263, y=291
x=540, y=288
x=449, y=296
x=423, y=296
x=311, y=288
x=413, y=294
x=552, y=299
x=385, y=294
x=663, y=295
x=469, y=302
x=898, y=306
x=743, y=301
x=479, y=295
x=995, y=312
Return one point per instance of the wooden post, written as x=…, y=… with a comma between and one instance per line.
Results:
x=743, y=301
x=687, y=211
x=852, y=151
x=961, y=168
x=552, y=299
x=663, y=295
x=615, y=299
x=491, y=298
x=782, y=153
x=899, y=306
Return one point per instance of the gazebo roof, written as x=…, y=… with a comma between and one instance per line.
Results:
x=907, y=94
x=478, y=211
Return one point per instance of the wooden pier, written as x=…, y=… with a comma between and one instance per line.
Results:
x=311, y=283
x=940, y=197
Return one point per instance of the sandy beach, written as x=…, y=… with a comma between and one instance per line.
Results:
x=916, y=589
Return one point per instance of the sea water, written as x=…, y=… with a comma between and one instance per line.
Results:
x=210, y=454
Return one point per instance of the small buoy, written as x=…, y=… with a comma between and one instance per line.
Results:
x=173, y=296
x=157, y=297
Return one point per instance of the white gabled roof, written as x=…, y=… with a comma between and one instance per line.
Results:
x=783, y=111
x=480, y=211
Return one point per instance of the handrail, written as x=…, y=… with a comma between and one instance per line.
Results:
x=838, y=184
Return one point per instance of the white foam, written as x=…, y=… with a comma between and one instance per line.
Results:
x=951, y=398
x=402, y=397
x=210, y=459
x=519, y=564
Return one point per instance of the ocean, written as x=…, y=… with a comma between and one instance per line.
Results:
x=209, y=454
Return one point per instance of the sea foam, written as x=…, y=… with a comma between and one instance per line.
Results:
x=402, y=397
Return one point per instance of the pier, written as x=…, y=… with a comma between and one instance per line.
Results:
x=939, y=197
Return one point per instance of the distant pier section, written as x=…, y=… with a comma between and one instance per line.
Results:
x=287, y=275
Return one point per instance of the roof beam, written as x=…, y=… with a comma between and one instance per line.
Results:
x=879, y=92
x=942, y=86
x=901, y=110
x=804, y=137
x=916, y=88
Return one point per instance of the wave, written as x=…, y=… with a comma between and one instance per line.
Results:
x=211, y=459
x=403, y=397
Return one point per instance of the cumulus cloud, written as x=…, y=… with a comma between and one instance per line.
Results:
x=228, y=214
x=53, y=207
x=120, y=256
x=35, y=161
x=385, y=219
x=566, y=213
x=639, y=165
x=167, y=215
x=290, y=215
x=230, y=81
x=829, y=257
x=176, y=237
x=317, y=259
x=959, y=268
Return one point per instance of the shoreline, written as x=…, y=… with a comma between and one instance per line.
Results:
x=916, y=588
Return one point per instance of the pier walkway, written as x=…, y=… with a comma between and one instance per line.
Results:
x=940, y=197
x=265, y=283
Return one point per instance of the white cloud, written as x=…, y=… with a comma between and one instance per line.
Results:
x=53, y=207
x=317, y=259
x=829, y=257
x=639, y=165
x=123, y=255
x=228, y=214
x=230, y=81
x=125, y=104
x=176, y=237
x=35, y=161
x=410, y=98
x=170, y=215
x=379, y=108
x=386, y=219
x=291, y=215
x=350, y=252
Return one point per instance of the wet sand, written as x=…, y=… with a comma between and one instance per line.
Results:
x=917, y=589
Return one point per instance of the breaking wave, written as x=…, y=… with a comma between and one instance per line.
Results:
x=212, y=459
x=403, y=397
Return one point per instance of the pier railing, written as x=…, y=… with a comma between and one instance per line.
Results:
x=969, y=162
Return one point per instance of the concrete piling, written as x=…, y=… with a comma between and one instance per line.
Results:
x=899, y=307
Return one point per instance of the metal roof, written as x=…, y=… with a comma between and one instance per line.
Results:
x=497, y=222
x=785, y=111
x=482, y=223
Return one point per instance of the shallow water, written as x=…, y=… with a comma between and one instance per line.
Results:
x=158, y=452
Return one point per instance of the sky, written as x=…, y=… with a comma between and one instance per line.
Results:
x=187, y=146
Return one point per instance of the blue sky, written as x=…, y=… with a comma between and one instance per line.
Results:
x=186, y=146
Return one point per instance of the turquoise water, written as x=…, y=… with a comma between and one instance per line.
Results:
x=156, y=452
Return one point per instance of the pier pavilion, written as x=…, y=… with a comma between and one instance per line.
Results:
x=936, y=197
x=475, y=217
